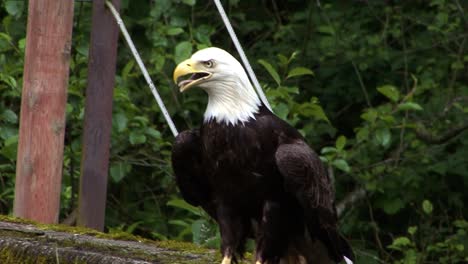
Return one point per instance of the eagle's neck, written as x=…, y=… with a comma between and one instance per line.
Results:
x=232, y=101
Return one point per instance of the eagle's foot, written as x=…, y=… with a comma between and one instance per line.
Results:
x=260, y=261
x=226, y=260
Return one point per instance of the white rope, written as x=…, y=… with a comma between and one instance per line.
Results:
x=241, y=53
x=142, y=68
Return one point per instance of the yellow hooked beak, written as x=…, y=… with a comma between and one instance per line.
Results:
x=190, y=67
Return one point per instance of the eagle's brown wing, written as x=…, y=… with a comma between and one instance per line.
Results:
x=305, y=177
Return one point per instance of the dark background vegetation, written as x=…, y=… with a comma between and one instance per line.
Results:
x=386, y=108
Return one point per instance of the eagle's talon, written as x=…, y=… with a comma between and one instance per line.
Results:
x=226, y=260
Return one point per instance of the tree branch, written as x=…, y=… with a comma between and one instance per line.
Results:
x=425, y=135
x=350, y=199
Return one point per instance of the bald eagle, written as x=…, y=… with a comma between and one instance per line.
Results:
x=252, y=172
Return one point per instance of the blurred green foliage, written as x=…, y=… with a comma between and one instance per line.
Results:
x=378, y=88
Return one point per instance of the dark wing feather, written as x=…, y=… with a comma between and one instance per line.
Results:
x=188, y=169
x=305, y=177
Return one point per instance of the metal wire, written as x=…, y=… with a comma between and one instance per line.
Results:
x=127, y=37
x=241, y=53
x=156, y=95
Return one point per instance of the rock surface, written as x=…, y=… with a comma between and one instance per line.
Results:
x=35, y=243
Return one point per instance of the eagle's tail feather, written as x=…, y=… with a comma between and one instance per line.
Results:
x=338, y=247
x=332, y=249
x=346, y=250
x=347, y=260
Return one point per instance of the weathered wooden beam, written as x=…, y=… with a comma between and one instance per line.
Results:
x=43, y=101
x=98, y=117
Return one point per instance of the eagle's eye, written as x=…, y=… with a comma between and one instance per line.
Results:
x=208, y=63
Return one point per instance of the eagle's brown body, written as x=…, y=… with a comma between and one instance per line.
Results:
x=260, y=179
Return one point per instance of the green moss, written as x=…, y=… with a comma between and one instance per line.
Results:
x=69, y=229
x=120, y=235
x=14, y=256
x=11, y=233
x=182, y=246
x=105, y=249
x=12, y=219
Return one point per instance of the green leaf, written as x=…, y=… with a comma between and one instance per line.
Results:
x=9, y=80
x=141, y=121
x=327, y=150
x=214, y=241
x=6, y=132
x=14, y=7
x=299, y=71
x=121, y=121
x=393, y=206
x=69, y=109
x=271, y=70
x=9, y=116
x=383, y=136
x=341, y=164
x=189, y=2
x=442, y=18
x=161, y=8
x=5, y=37
x=174, y=31
x=6, y=167
x=13, y=140
x=203, y=33
x=390, y=92
x=136, y=138
x=313, y=110
x=461, y=224
x=181, y=204
x=119, y=170
x=127, y=69
x=131, y=228
x=412, y=230
x=427, y=207
x=153, y=133
x=457, y=65
x=183, y=51
x=362, y=134
x=159, y=62
x=158, y=236
x=179, y=222
x=294, y=55
x=389, y=119
x=370, y=115
x=409, y=106
x=340, y=142
x=326, y=30
x=197, y=233
x=10, y=147
x=283, y=60
x=83, y=49
x=400, y=243
x=282, y=110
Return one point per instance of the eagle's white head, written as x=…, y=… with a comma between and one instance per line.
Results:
x=231, y=97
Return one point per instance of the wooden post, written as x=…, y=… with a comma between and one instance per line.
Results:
x=98, y=116
x=42, y=121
